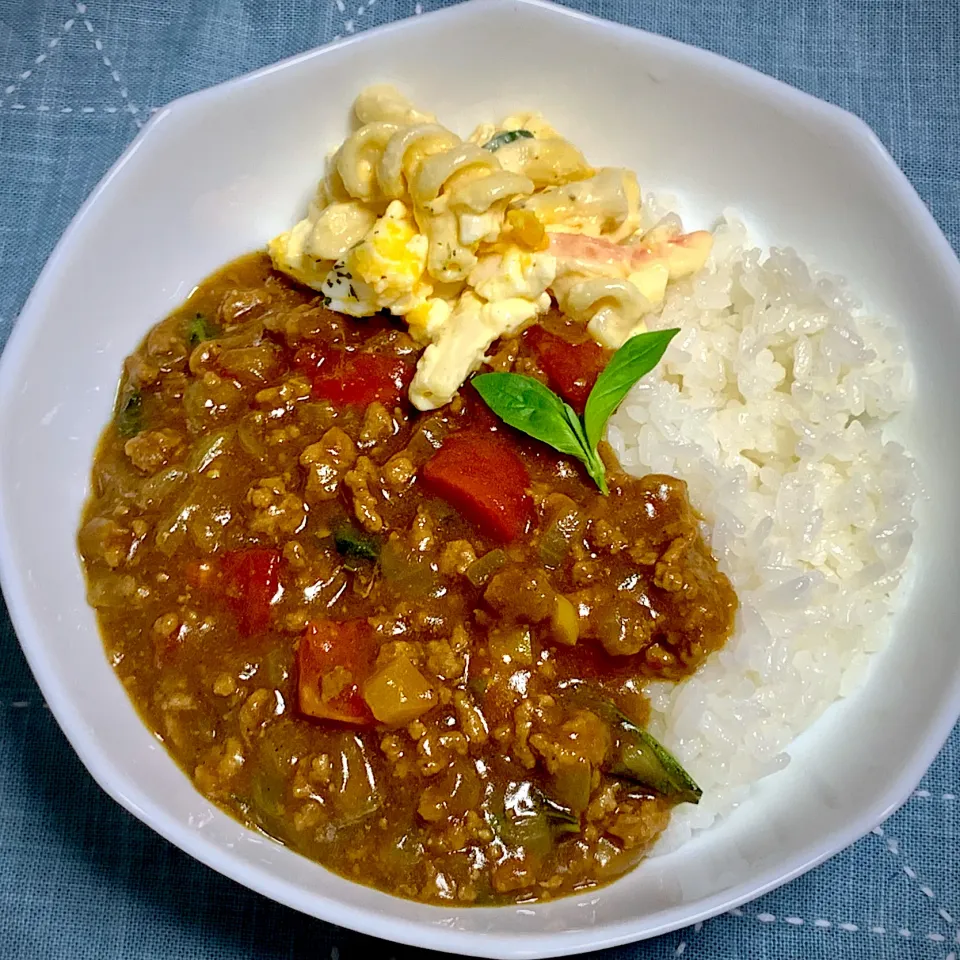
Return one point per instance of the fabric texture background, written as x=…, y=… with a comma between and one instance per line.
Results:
x=79, y=877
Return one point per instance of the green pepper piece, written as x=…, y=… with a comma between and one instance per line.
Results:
x=644, y=759
x=562, y=819
x=526, y=816
x=640, y=756
x=353, y=544
x=484, y=567
x=130, y=415
x=199, y=328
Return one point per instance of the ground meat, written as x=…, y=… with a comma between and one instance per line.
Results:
x=295, y=555
x=251, y=365
x=471, y=718
x=623, y=624
x=422, y=536
x=457, y=557
x=256, y=712
x=142, y=370
x=220, y=767
x=582, y=738
x=377, y=423
x=275, y=511
x=535, y=713
x=521, y=593
x=153, y=449
x=167, y=346
x=210, y=399
x=398, y=471
x=312, y=773
x=289, y=392
x=603, y=535
x=326, y=463
x=238, y=305
x=445, y=661
x=365, y=503
x=104, y=539
x=637, y=822
x=672, y=567
x=513, y=874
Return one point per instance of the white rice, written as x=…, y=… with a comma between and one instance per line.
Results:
x=772, y=403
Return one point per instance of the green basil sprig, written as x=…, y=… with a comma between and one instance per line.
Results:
x=527, y=405
x=530, y=407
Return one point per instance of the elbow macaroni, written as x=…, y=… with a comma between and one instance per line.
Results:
x=471, y=240
x=611, y=309
x=606, y=204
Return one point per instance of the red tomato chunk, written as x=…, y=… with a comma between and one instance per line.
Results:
x=354, y=379
x=343, y=652
x=251, y=584
x=482, y=478
x=572, y=368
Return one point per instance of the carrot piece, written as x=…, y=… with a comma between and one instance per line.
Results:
x=483, y=478
x=251, y=583
x=342, y=651
x=571, y=368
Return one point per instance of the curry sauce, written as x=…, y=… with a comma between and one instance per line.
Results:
x=411, y=646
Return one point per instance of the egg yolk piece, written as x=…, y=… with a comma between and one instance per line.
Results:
x=384, y=271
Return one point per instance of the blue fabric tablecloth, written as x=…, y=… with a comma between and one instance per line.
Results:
x=82, y=880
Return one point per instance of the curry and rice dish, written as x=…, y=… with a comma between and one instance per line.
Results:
x=365, y=555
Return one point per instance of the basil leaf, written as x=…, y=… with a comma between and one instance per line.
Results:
x=635, y=359
x=591, y=461
x=597, y=471
x=529, y=406
x=506, y=136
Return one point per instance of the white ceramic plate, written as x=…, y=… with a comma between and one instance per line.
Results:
x=215, y=174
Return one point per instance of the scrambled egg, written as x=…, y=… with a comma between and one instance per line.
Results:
x=385, y=271
x=327, y=232
x=486, y=235
x=509, y=291
x=514, y=273
x=289, y=254
x=461, y=342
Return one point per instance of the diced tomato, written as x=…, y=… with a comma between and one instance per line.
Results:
x=350, y=378
x=484, y=479
x=324, y=646
x=480, y=417
x=251, y=582
x=572, y=368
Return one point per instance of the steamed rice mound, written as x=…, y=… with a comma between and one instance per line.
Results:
x=773, y=403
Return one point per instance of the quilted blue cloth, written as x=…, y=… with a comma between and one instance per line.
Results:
x=80, y=879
